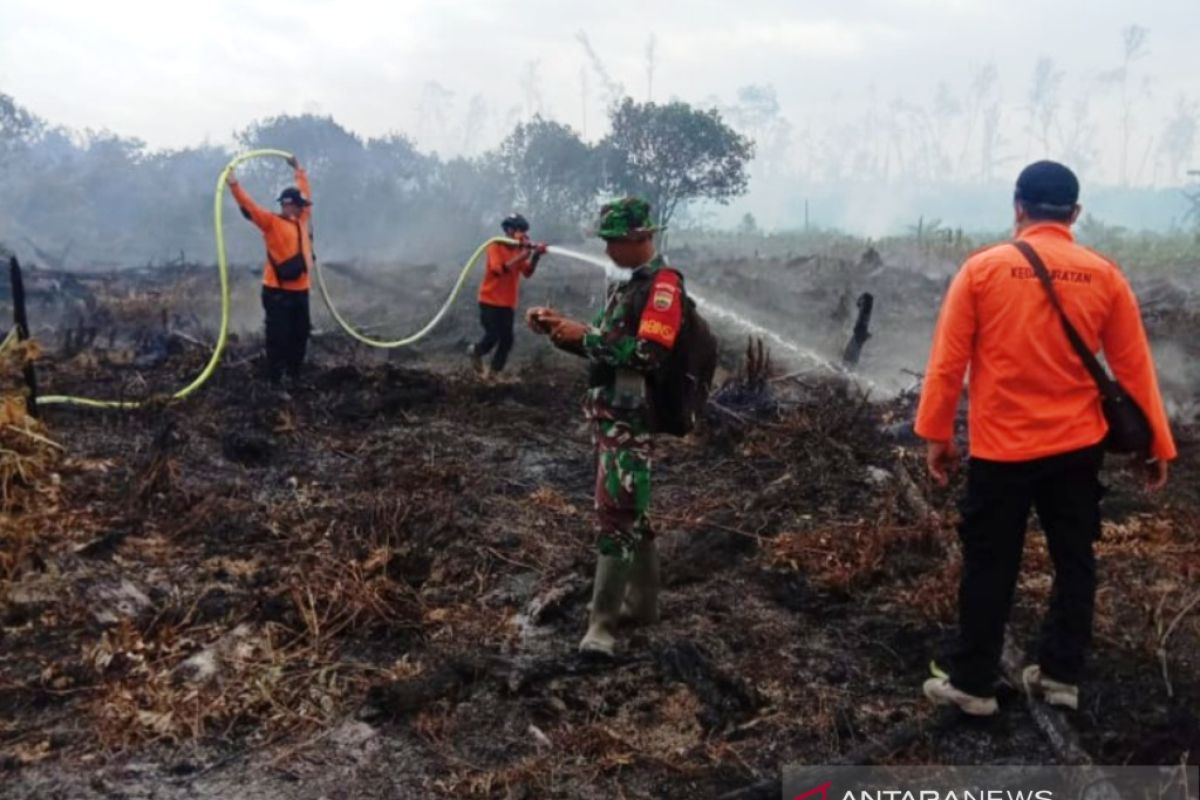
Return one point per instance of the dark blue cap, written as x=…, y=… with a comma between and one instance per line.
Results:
x=292, y=195
x=1047, y=186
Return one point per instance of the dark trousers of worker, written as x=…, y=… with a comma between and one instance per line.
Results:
x=1065, y=490
x=288, y=326
x=497, y=332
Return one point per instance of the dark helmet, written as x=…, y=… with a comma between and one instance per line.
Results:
x=514, y=222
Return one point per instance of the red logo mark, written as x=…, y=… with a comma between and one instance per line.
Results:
x=822, y=790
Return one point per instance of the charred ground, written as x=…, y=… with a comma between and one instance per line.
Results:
x=376, y=589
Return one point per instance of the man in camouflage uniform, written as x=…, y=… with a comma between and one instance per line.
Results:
x=629, y=339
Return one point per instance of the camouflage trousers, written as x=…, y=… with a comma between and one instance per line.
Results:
x=622, y=485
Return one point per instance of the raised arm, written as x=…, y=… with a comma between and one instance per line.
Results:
x=250, y=210
x=305, y=188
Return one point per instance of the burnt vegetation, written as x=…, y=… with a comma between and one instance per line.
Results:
x=378, y=587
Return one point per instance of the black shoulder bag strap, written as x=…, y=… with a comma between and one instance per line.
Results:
x=291, y=269
x=1106, y=384
x=1128, y=428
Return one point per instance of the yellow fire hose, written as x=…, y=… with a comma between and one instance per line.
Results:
x=429, y=326
x=223, y=334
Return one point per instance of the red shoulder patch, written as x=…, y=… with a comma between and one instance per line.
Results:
x=664, y=310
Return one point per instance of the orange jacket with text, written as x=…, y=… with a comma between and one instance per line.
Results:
x=506, y=265
x=1029, y=394
x=284, y=237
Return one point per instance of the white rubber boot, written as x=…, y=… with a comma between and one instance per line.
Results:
x=611, y=576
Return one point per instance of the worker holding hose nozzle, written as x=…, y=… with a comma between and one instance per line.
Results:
x=630, y=339
x=506, y=265
x=288, y=240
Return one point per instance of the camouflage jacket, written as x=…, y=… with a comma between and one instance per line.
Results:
x=630, y=338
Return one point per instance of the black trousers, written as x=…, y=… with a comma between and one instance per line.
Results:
x=1065, y=490
x=497, y=332
x=288, y=326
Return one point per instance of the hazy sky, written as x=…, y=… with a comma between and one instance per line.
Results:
x=176, y=73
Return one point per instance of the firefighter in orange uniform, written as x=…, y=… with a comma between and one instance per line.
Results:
x=507, y=264
x=1037, y=432
x=285, y=283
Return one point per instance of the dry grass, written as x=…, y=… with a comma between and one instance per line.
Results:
x=29, y=486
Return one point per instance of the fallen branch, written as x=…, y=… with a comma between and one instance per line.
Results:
x=1063, y=739
x=726, y=698
x=911, y=493
x=731, y=413
x=551, y=602
x=699, y=523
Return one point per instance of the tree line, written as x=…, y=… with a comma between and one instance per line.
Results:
x=98, y=199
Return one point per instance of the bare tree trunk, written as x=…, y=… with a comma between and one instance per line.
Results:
x=651, y=65
x=21, y=320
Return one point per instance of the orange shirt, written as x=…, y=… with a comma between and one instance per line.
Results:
x=1030, y=395
x=502, y=276
x=283, y=237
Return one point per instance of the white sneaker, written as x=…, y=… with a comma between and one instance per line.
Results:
x=1056, y=693
x=941, y=692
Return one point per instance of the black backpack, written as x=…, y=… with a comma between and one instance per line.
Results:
x=678, y=390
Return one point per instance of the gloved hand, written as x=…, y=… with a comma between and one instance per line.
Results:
x=540, y=248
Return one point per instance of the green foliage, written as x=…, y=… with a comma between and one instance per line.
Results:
x=674, y=153
x=18, y=128
x=99, y=198
x=554, y=177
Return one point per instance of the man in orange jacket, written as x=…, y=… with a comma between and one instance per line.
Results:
x=506, y=265
x=288, y=240
x=1036, y=433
